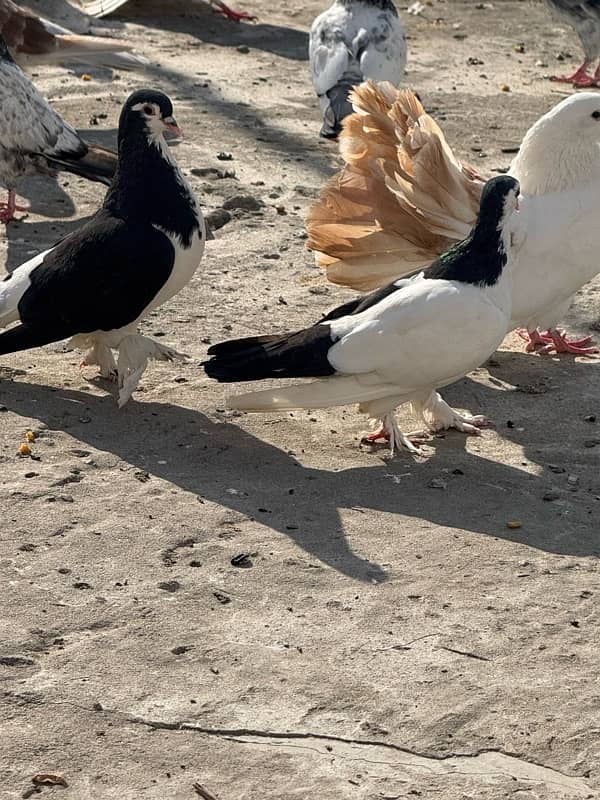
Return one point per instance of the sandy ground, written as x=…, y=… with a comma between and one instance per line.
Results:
x=257, y=603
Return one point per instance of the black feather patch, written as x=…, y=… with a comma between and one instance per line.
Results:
x=296, y=355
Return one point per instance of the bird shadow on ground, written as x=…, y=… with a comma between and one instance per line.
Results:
x=27, y=239
x=201, y=21
x=221, y=462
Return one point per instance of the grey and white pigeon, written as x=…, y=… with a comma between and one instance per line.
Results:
x=35, y=139
x=399, y=344
x=584, y=17
x=140, y=249
x=350, y=42
x=32, y=40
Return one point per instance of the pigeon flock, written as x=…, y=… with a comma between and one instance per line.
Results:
x=453, y=259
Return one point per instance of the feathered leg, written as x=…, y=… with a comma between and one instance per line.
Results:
x=101, y=355
x=390, y=432
x=439, y=416
x=134, y=352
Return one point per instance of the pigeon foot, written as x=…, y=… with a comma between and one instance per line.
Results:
x=390, y=432
x=7, y=210
x=439, y=416
x=236, y=16
x=580, y=77
x=102, y=356
x=558, y=342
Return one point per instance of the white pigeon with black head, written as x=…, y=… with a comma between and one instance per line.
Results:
x=399, y=344
x=139, y=249
x=350, y=42
x=35, y=139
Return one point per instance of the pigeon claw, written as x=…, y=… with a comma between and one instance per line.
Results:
x=555, y=341
x=236, y=16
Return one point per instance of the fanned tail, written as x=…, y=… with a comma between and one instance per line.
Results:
x=400, y=200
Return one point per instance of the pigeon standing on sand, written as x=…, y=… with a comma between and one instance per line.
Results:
x=352, y=41
x=33, y=40
x=398, y=344
x=403, y=197
x=584, y=17
x=141, y=248
x=34, y=139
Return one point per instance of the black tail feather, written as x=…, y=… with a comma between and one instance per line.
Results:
x=296, y=355
x=22, y=337
x=96, y=164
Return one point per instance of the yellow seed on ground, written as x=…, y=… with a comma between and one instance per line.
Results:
x=86, y=77
x=513, y=524
x=30, y=436
x=24, y=449
x=504, y=87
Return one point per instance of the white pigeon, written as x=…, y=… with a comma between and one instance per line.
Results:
x=399, y=344
x=352, y=41
x=403, y=197
x=140, y=248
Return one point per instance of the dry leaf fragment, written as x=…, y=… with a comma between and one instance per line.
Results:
x=204, y=793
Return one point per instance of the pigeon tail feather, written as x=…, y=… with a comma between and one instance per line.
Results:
x=337, y=391
x=98, y=164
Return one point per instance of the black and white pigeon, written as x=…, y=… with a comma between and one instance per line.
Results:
x=584, y=17
x=398, y=344
x=350, y=42
x=140, y=248
x=35, y=139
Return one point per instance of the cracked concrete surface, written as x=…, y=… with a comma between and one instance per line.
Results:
x=256, y=604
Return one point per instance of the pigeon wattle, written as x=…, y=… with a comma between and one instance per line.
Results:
x=33, y=40
x=584, y=17
x=139, y=249
x=399, y=344
x=352, y=41
x=35, y=139
x=403, y=197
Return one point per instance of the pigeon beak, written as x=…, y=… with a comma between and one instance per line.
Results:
x=171, y=125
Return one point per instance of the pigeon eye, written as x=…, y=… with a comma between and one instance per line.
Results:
x=595, y=114
x=149, y=110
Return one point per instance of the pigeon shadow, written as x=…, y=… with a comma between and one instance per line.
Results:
x=225, y=464
x=26, y=238
x=213, y=28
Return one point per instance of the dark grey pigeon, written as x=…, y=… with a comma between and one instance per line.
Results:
x=584, y=17
x=35, y=139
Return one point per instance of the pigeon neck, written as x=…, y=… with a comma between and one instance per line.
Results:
x=149, y=187
x=479, y=259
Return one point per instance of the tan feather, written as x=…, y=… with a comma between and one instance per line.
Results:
x=401, y=198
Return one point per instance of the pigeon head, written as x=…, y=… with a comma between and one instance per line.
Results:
x=149, y=112
x=562, y=149
x=499, y=199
